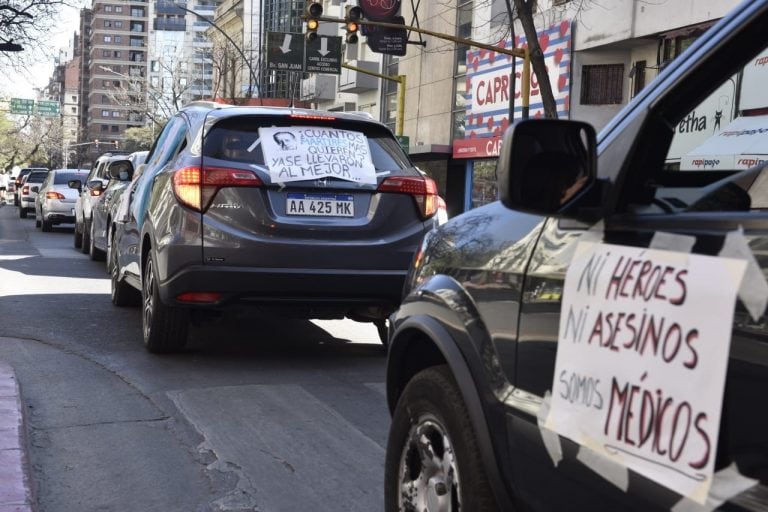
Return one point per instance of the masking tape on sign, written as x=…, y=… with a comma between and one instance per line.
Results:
x=551, y=439
x=753, y=291
x=612, y=471
x=726, y=484
x=672, y=242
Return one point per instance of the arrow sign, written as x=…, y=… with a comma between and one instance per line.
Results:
x=323, y=47
x=323, y=55
x=285, y=52
x=286, y=43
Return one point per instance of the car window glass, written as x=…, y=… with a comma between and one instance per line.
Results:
x=62, y=178
x=237, y=140
x=713, y=145
x=36, y=177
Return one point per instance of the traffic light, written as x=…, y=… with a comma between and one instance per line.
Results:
x=314, y=11
x=352, y=19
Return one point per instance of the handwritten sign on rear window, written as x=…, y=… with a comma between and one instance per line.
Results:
x=306, y=153
x=641, y=359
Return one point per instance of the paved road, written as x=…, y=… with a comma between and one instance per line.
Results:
x=260, y=414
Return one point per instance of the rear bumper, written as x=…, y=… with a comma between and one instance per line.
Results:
x=337, y=289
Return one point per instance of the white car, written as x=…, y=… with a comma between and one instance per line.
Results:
x=55, y=203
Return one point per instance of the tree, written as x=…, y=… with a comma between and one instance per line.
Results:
x=524, y=10
x=139, y=139
x=30, y=140
x=26, y=22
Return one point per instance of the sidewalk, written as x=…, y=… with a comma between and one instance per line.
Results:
x=15, y=488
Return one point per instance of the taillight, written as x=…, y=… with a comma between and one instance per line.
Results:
x=25, y=190
x=423, y=190
x=199, y=297
x=195, y=188
x=54, y=195
x=95, y=192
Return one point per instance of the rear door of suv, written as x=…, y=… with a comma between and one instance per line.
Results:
x=317, y=191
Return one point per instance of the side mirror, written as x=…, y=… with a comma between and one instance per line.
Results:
x=121, y=170
x=35, y=189
x=76, y=184
x=95, y=184
x=547, y=165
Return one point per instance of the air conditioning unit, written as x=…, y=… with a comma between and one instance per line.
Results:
x=355, y=81
x=318, y=87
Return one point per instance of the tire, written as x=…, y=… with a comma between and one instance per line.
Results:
x=164, y=327
x=123, y=294
x=22, y=212
x=78, y=237
x=46, y=226
x=38, y=222
x=447, y=473
x=94, y=252
x=86, y=242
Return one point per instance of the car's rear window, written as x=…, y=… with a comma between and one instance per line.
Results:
x=238, y=140
x=62, y=178
x=37, y=177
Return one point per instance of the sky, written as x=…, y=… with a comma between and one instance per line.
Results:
x=21, y=85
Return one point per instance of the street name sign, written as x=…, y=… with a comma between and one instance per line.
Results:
x=48, y=108
x=323, y=55
x=285, y=51
x=22, y=106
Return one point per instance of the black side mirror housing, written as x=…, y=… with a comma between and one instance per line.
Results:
x=95, y=184
x=547, y=165
x=76, y=184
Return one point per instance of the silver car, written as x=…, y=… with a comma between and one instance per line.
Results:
x=28, y=193
x=55, y=202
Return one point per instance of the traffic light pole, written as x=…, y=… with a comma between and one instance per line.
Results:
x=400, y=79
x=522, y=53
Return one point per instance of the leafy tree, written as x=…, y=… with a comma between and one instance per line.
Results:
x=28, y=23
x=139, y=139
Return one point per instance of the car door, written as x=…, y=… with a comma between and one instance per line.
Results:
x=699, y=213
x=129, y=231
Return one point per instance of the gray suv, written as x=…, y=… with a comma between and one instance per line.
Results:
x=305, y=213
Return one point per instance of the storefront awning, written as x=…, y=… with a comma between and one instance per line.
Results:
x=741, y=145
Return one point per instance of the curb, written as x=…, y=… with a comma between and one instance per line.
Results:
x=15, y=484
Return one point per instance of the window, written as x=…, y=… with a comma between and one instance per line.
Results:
x=105, y=53
x=107, y=39
x=118, y=39
x=107, y=24
x=137, y=13
x=118, y=8
x=114, y=128
x=104, y=128
x=118, y=54
x=74, y=110
x=637, y=74
x=104, y=98
x=602, y=84
x=118, y=24
x=105, y=113
x=115, y=113
x=107, y=8
x=107, y=83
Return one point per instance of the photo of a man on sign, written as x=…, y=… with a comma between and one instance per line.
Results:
x=297, y=153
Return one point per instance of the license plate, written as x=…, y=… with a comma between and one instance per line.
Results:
x=320, y=205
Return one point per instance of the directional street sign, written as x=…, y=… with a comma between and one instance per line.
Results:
x=48, y=108
x=285, y=51
x=22, y=106
x=323, y=55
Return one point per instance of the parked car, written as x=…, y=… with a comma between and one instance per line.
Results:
x=55, y=202
x=90, y=192
x=311, y=214
x=30, y=184
x=579, y=345
x=18, y=179
x=118, y=174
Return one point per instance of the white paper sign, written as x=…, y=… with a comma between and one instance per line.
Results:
x=298, y=153
x=641, y=359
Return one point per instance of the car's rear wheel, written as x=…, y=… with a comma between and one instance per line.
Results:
x=94, y=252
x=122, y=293
x=433, y=462
x=38, y=222
x=22, y=212
x=164, y=327
x=86, y=242
x=46, y=226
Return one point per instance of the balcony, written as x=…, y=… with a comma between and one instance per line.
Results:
x=170, y=24
x=318, y=87
x=169, y=8
x=354, y=82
